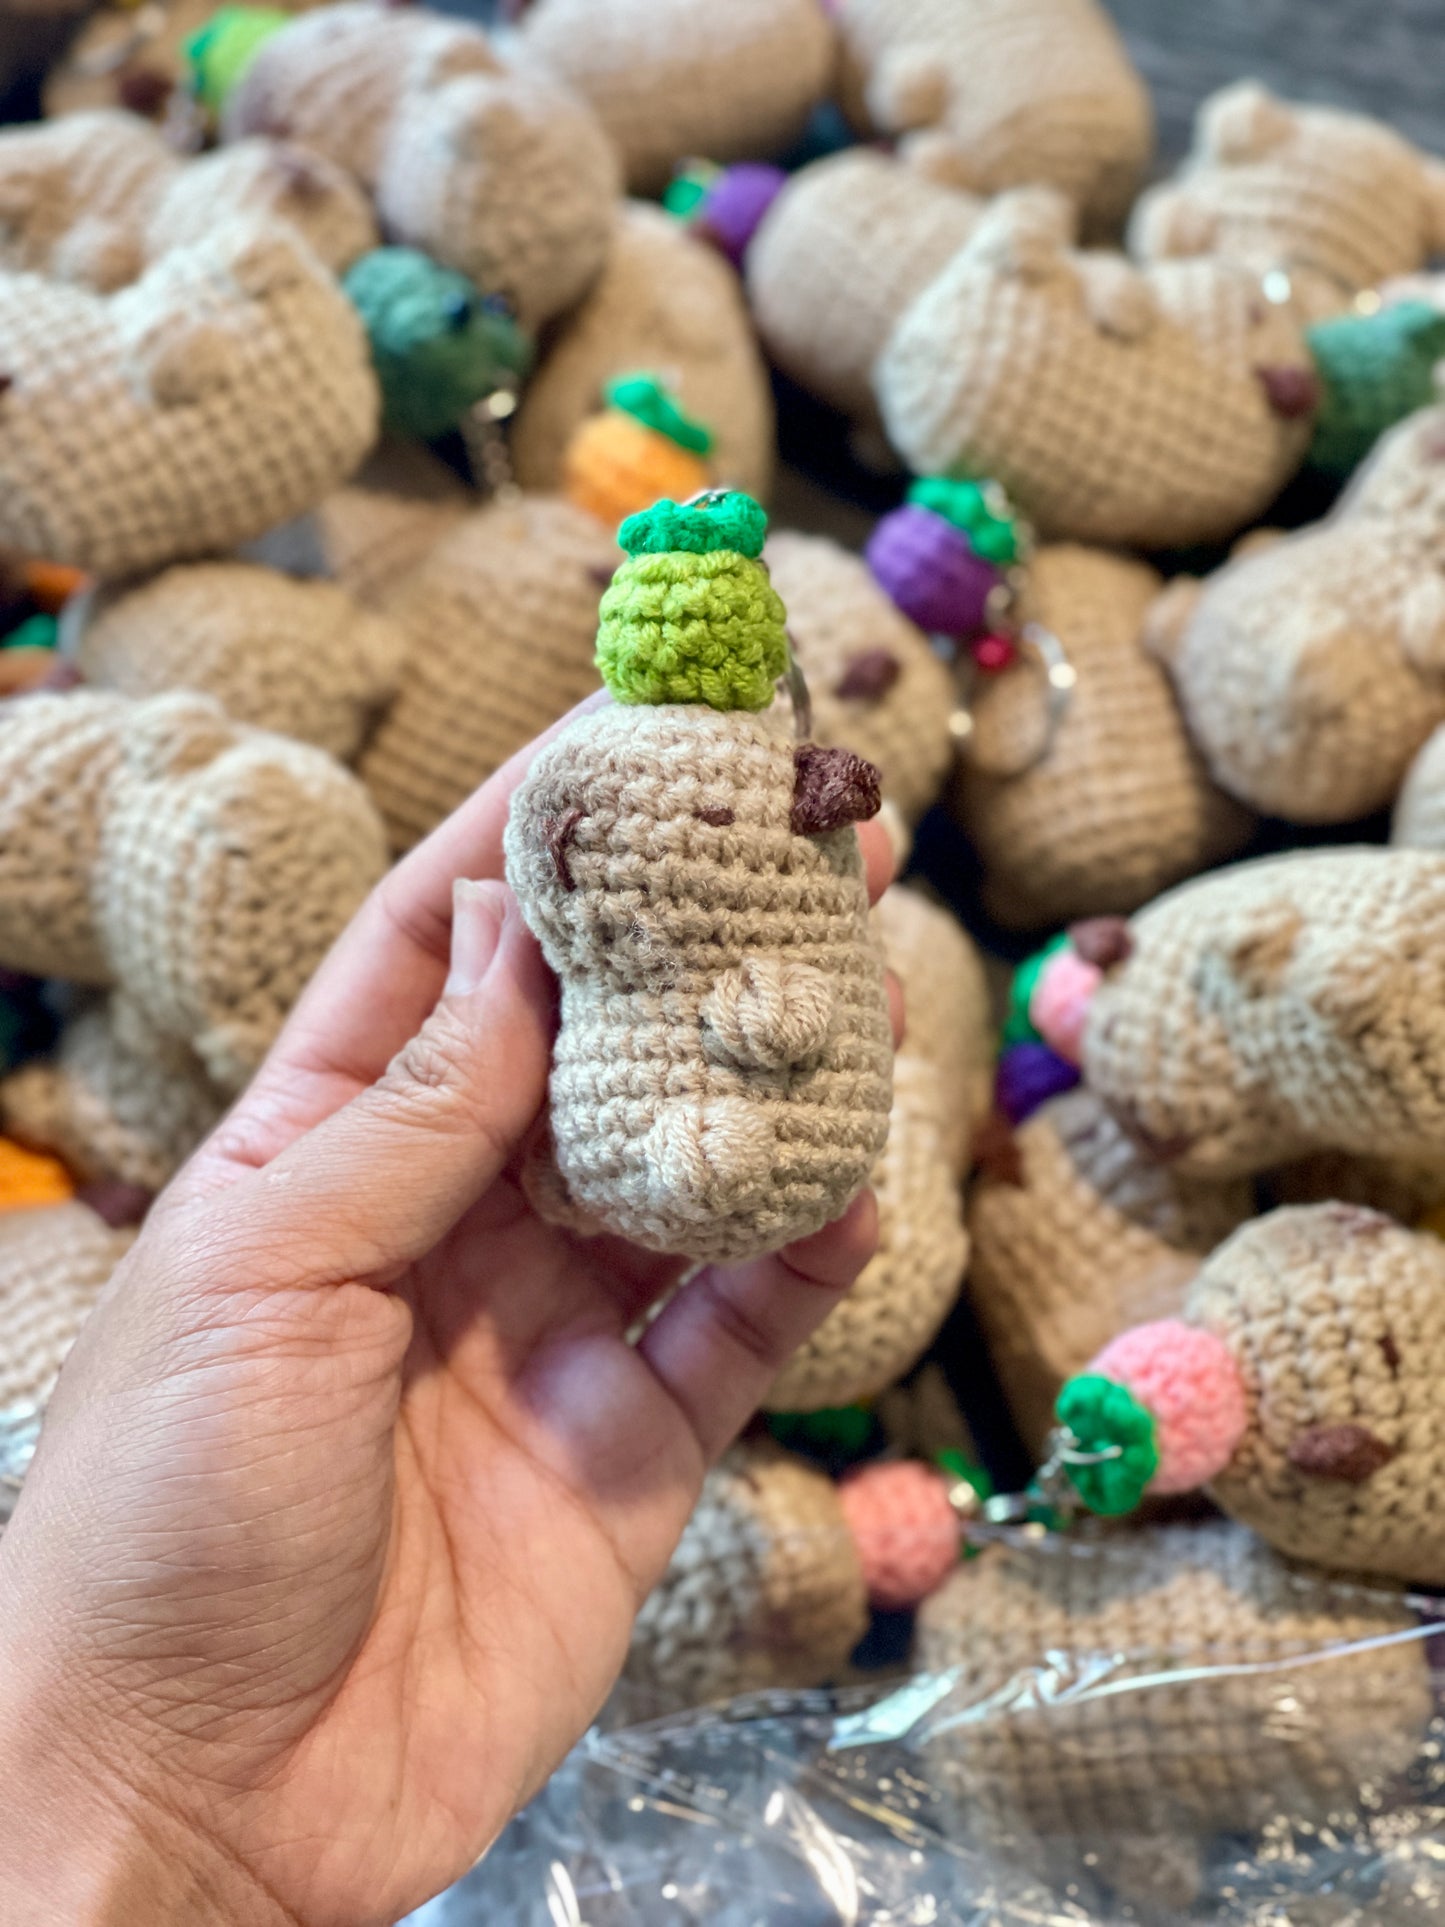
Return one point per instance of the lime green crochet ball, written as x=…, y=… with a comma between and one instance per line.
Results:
x=691, y=616
x=220, y=52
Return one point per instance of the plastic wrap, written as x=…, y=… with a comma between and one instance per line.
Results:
x=1275, y=1762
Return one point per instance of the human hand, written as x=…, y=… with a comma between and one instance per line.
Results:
x=350, y=1489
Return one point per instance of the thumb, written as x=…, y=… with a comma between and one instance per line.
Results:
x=378, y=1184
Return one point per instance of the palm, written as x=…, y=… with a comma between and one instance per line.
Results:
x=496, y=1604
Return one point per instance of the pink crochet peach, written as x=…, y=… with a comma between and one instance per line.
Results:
x=1188, y=1380
x=903, y=1528
x=1059, y=1006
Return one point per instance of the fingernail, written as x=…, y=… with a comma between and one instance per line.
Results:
x=477, y=913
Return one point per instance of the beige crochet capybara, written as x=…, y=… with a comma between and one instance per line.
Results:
x=203, y=868
x=227, y=389
x=720, y=1081
x=1312, y=667
x=505, y=177
x=671, y=78
x=1309, y=190
x=1003, y=93
x=1140, y=408
x=1281, y=1006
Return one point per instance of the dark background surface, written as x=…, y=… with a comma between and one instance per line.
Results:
x=1385, y=58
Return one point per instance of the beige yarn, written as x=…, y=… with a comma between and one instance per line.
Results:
x=53, y=1263
x=842, y=624
x=667, y=304
x=1281, y=1006
x=904, y=1293
x=847, y=244
x=94, y=197
x=1091, y=1239
x=502, y=623
x=300, y=658
x=720, y=1081
x=1336, y=1317
x=1130, y=1695
x=203, y=868
x=1117, y=405
x=677, y=77
x=72, y=84
x=764, y=1589
x=1310, y=671
x=1419, y=819
x=1277, y=184
x=504, y=177
x=1120, y=805
x=1003, y=93
x=118, y=1099
x=228, y=389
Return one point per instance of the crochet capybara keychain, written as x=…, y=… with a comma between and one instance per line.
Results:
x=721, y=1078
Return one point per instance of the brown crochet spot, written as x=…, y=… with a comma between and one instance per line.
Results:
x=1348, y=1453
x=1290, y=392
x=831, y=789
x=559, y=832
x=719, y=818
x=7, y=382
x=300, y=172
x=869, y=675
x=117, y=1203
x=1158, y=1150
x=600, y=574
x=144, y=91
x=1390, y=1352
x=996, y=1151
x=1102, y=941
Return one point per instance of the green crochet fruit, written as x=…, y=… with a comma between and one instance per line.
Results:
x=438, y=344
x=646, y=400
x=692, y=628
x=965, y=504
x=1374, y=370
x=1100, y=1414
x=722, y=519
x=220, y=52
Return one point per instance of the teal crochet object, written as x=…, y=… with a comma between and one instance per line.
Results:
x=967, y=505
x=646, y=399
x=219, y=53
x=1374, y=370
x=1102, y=1415
x=691, y=616
x=438, y=344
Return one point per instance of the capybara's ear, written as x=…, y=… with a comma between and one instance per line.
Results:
x=1119, y=299
x=1170, y=222
x=1242, y=122
x=1025, y=233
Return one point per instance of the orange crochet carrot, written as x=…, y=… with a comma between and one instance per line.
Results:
x=638, y=450
x=31, y=1178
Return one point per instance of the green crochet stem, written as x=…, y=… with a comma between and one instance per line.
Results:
x=646, y=400
x=1018, y=1026
x=1374, y=370
x=836, y=1429
x=965, y=504
x=220, y=52
x=1100, y=1415
x=691, y=616
x=689, y=188
x=35, y=632
x=721, y=519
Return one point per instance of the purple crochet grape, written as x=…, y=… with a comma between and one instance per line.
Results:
x=928, y=569
x=1029, y=1075
x=735, y=204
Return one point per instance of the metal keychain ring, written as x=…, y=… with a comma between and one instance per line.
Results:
x=1047, y=654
